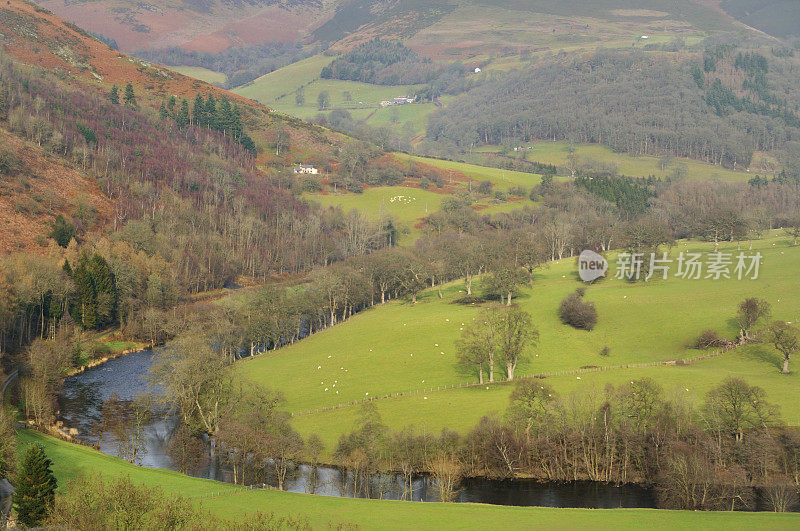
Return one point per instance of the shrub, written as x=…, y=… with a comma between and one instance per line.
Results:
x=485, y=187
x=605, y=351
x=311, y=184
x=710, y=339
x=9, y=163
x=469, y=299
x=577, y=313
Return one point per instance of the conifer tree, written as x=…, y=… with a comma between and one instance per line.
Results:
x=114, y=95
x=211, y=112
x=104, y=289
x=224, y=116
x=199, y=111
x=183, y=115
x=35, y=488
x=130, y=97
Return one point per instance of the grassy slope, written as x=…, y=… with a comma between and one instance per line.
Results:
x=277, y=90
x=203, y=74
x=409, y=205
x=641, y=323
x=231, y=501
x=502, y=178
x=635, y=166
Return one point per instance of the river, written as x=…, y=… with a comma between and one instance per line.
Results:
x=83, y=394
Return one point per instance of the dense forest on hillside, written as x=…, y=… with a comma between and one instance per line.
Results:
x=632, y=102
x=383, y=62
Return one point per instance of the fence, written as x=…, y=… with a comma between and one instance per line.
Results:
x=582, y=370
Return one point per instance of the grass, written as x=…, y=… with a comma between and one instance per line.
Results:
x=230, y=501
x=502, y=178
x=634, y=166
x=277, y=90
x=399, y=347
x=203, y=74
x=407, y=204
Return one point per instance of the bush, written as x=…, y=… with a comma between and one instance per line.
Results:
x=9, y=163
x=577, y=313
x=485, y=187
x=469, y=299
x=605, y=351
x=311, y=184
x=710, y=339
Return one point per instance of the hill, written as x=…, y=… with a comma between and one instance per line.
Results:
x=775, y=17
x=410, y=349
x=200, y=26
x=229, y=501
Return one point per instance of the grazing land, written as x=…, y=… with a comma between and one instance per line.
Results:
x=403, y=348
x=596, y=156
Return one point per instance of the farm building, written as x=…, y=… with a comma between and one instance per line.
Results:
x=304, y=168
x=397, y=101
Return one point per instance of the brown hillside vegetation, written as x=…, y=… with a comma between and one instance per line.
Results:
x=203, y=26
x=40, y=38
x=36, y=189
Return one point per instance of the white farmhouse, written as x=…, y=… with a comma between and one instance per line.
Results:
x=304, y=168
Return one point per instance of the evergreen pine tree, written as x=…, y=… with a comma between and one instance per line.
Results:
x=104, y=289
x=211, y=112
x=224, y=116
x=236, y=123
x=35, y=488
x=87, y=299
x=199, y=111
x=114, y=96
x=183, y=115
x=162, y=111
x=171, y=103
x=63, y=231
x=130, y=97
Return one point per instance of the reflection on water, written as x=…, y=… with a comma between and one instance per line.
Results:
x=83, y=395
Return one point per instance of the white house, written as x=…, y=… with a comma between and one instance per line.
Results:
x=304, y=168
x=397, y=101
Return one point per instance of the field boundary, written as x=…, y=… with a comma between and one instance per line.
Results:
x=466, y=385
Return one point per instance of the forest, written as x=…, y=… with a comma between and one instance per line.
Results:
x=631, y=101
x=383, y=62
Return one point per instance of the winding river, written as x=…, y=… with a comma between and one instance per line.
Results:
x=83, y=394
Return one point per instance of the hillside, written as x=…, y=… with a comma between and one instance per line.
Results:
x=774, y=17
x=641, y=323
x=230, y=501
x=201, y=26
x=35, y=188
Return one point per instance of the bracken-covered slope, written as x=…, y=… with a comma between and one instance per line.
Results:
x=200, y=25
x=40, y=38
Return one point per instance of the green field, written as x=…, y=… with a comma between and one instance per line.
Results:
x=277, y=90
x=203, y=74
x=230, y=501
x=407, y=204
x=502, y=178
x=593, y=155
x=402, y=348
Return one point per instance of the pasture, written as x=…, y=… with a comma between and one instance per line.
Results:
x=410, y=349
